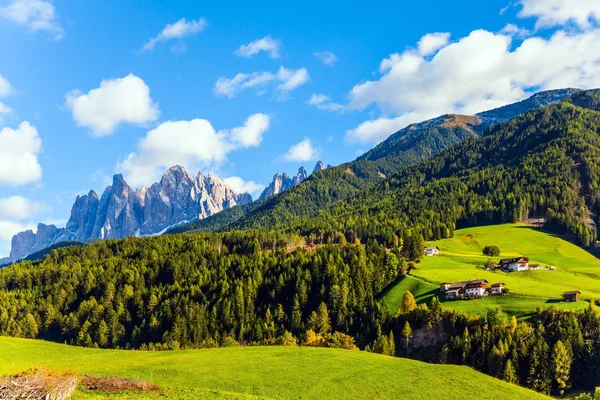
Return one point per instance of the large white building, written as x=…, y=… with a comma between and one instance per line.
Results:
x=515, y=264
x=476, y=288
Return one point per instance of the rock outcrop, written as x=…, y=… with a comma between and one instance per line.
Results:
x=319, y=167
x=27, y=242
x=282, y=182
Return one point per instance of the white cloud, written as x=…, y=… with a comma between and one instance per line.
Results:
x=18, y=155
x=289, y=79
x=37, y=15
x=324, y=102
x=240, y=185
x=376, y=130
x=5, y=88
x=560, y=12
x=4, y=109
x=250, y=135
x=328, y=58
x=432, y=42
x=10, y=228
x=302, y=151
x=478, y=72
x=17, y=208
x=515, y=31
x=177, y=30
x=116, y=101
x=231, y=87
x=266, y=44
x=193, y=144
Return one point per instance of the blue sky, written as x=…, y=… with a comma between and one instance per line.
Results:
x=91, y=88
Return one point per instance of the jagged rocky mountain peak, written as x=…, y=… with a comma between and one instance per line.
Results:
x=318, y=167
x=119, y=185
x=282, y=182
x=300, y=176
x=120, y=211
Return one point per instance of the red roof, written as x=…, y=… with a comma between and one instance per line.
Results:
x=482, y=283
x=514, y=260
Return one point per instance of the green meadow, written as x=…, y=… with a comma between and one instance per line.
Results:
x=576, y=269
x=262, y=373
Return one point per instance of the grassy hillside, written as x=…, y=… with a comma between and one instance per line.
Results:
x=460, y=255
x=264, y=372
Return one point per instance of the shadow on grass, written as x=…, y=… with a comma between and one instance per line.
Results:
x=427, y=296
x=389, y=287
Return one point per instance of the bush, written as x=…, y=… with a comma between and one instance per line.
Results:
x=491, y=251
x=336, y=340
x=313, y=339
x=287, y=339
x=228, y=341
x=340, y=340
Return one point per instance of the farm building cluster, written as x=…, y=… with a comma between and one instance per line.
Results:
x=519, y=264
x=471, y=289
x=479, y=288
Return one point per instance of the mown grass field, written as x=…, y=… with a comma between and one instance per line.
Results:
x=576, y=269
x=262, y=373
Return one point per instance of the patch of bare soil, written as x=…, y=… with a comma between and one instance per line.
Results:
x=536, y=222
x=113, y=384
x=38, y=384
x=464, y=121
x=429, y=337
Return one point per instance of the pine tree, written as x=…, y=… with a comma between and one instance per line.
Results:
x=407, y=333
x=102, y=334
x=324, y=323
x=561, y=367
x=392, y=346
x=495, y=361
x=436, y=309
x=296, y=320
x=539, y=377
x=510, y=373
x=513, y=325
x=313, y=321
x=30, y=327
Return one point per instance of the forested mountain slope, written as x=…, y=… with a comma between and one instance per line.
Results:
x=403, y=148
x=544, y=163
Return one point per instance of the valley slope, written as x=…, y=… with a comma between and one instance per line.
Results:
x=263, y=372
x=461, y=259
